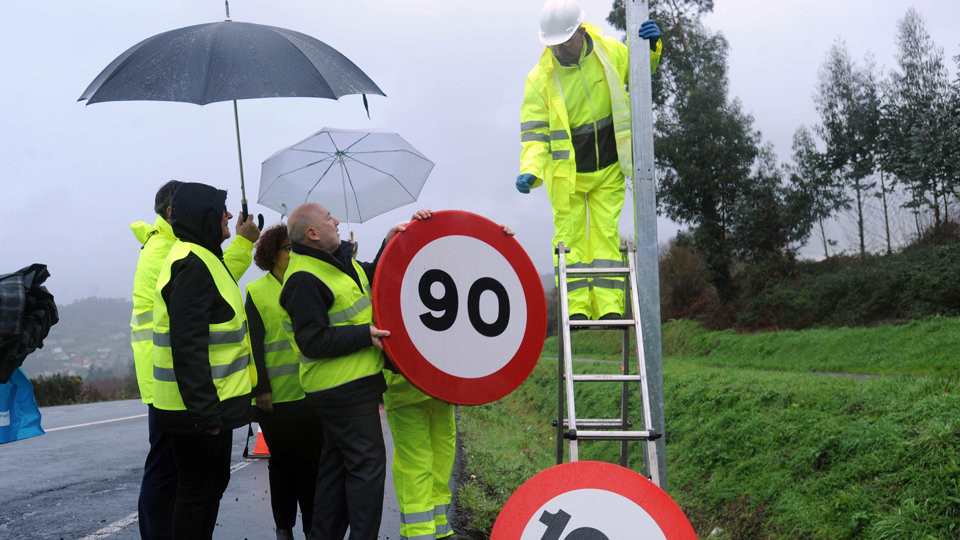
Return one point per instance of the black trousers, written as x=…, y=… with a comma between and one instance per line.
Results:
x=351, y=474
x=203, y=471
x=294, y=439
x=158, y=489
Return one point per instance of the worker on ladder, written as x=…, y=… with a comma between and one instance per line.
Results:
x=575, y=137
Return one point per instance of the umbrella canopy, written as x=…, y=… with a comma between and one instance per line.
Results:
x=226, y=61
x=354, y=174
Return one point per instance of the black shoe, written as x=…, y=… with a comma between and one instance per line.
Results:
x=578, y=317
x=611, y=317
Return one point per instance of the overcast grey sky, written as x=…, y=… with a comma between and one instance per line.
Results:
x=75, y=177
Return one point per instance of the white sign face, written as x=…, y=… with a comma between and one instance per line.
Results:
x=4, y=418
x=592, y=514
x=463, y=306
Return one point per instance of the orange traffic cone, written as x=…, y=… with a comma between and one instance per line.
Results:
x=260, y=445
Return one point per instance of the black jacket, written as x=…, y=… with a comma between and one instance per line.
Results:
x=307, y=301
x=194, y=303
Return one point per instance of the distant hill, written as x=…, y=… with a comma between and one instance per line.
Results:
x=92, y=339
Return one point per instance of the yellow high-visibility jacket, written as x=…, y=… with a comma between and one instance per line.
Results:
x=558, y=101
x=351, y=306
x=283, y=367
x=229, y=344
x=157, y=239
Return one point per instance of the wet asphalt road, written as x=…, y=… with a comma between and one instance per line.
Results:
x=81, y=479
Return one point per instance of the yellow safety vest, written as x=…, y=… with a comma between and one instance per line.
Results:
x=157, y=239
x=547, y=148
x=351, y=305
x=229, y=346
x=283, y=366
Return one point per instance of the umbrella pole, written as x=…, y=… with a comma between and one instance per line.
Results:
x=243, y=190
x=343, y=184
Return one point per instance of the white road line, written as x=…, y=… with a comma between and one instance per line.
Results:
x=48, y=430
x=112, y=528
x=118, y=526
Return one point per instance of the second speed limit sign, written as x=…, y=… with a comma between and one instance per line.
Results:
x=464, y=306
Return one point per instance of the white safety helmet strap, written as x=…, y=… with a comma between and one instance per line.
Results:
x=559, y=20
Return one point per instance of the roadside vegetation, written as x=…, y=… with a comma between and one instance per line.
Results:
x=758, y=443
x=63, y=389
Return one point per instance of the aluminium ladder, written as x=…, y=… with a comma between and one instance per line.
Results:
x=570, y=428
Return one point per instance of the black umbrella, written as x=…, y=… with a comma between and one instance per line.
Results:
x=227, y=61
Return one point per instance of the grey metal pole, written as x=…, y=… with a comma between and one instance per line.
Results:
x=645, y=219
x=243, y=189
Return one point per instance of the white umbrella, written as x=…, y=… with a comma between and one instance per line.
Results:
x=354, y=174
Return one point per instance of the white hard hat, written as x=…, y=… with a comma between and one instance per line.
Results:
x=559, y=19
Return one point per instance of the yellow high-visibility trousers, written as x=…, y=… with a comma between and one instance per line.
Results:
x=424, y=441
x=591, y=229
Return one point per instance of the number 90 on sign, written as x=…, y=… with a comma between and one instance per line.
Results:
x=463, y=306
x=468, y=305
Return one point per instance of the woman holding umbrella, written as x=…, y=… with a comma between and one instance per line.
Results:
x=291, y=430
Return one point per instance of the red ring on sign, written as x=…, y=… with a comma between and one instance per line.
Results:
x=559, y=479
x=407, y=358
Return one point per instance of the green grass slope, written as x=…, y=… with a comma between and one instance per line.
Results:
x=758, y=445
x=923, y=347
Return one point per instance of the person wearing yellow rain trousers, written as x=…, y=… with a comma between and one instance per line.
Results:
x=575, y=137
x=159, y=484
x=424, y=432
x=424, y=435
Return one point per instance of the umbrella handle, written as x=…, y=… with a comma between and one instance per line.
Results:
x=244, y=213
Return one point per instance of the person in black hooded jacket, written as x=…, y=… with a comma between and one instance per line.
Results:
x=202, y=429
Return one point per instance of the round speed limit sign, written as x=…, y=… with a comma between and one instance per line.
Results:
x=464, y=306
x=591, y=500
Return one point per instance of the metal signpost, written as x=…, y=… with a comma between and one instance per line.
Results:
x=645, y=218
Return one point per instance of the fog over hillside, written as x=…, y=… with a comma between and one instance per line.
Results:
x=92, y=339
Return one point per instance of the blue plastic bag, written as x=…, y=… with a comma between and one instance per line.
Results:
x=19, y=414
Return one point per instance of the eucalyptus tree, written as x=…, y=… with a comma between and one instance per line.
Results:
x=848, y=102
x=918, y=115
x=773, y=218
x=706, y=147
x=812, y=178
x=680, y=23
x=952, y=150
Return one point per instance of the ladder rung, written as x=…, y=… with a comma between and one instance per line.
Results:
x=645, y=435
x=605, y=378
x=597, y=423
x=605, y=272
x=609, y=323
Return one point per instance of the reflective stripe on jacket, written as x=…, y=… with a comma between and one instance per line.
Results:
x=157, y=239
x=283, y=367
x=547, y=133
x=351, y=306
x=229, y=344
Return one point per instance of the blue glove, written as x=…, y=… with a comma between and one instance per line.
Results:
x=524, y=181
x=650, y=30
